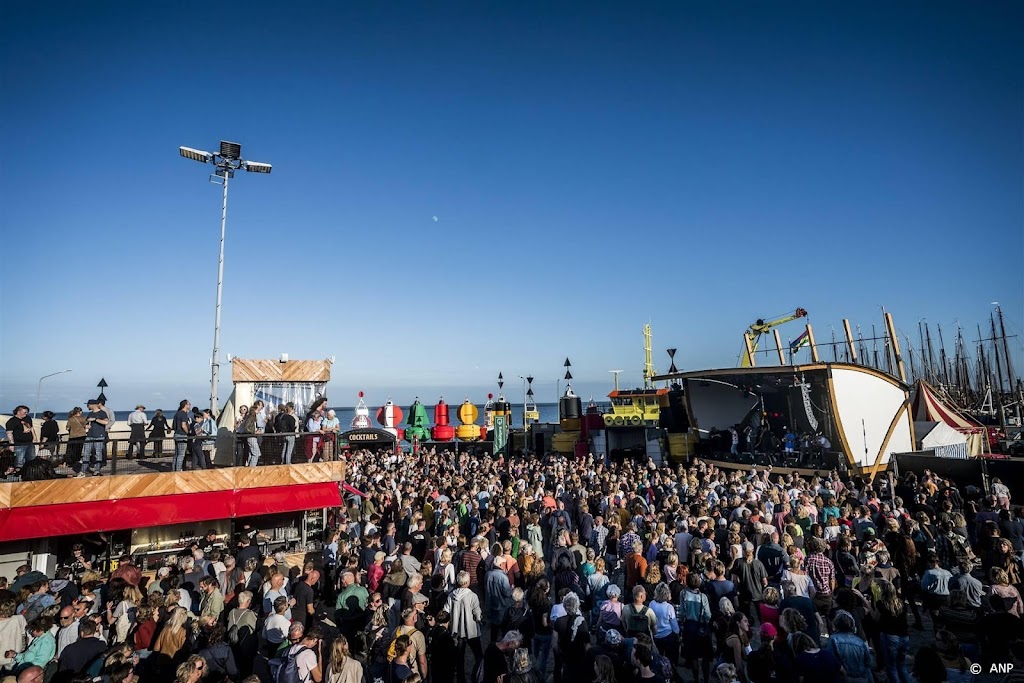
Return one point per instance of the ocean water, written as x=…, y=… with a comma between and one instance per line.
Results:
x=548, y=413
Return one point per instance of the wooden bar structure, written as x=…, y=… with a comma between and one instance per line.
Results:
x=250, y=370
x=128, y=486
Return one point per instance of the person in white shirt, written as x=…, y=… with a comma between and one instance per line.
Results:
x=70, y=618
x=137, y=424
x=275, y=629
x=308, y=656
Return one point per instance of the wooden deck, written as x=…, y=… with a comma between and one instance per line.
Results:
x=776, y=469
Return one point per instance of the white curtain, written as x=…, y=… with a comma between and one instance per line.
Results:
x=302, y=394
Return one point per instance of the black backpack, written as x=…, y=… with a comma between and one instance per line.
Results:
x=638, y=622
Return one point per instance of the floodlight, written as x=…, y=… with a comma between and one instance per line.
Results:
x=226, y=162
x=230, y=150
x=195, y=154
x=257, y=167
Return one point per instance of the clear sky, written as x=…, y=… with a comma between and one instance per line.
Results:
x=593, y=166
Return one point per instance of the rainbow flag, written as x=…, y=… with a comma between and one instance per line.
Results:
x=803, y=340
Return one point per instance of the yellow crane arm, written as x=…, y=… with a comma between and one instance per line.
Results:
x=759, y=327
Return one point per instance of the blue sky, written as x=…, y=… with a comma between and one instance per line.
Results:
x=593, y=166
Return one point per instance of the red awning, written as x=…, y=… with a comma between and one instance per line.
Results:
x=40, y=521
x=353, y=490
x=251, y=502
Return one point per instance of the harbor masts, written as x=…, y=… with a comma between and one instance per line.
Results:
x=933, y=374
x=923, y=357
x=984, y=376
x=874, y=346
x=1006, y=350
x=943, y=359
x=995, y=353
x=910, y=351
x=835, y=351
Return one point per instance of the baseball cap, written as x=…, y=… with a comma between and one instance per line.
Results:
x=768, y=630
x=419, y=599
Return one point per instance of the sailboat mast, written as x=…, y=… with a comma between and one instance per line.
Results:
x=984, y=372
x=924, y=358
x=874, y=346
x=863, y=347
x=995, y=352
x=942, y=358
x=835, y=351
x=910, y=352
x=1006, y=350
x=933, y=371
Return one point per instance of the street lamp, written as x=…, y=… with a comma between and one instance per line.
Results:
x=227, y=161
x=39, y=388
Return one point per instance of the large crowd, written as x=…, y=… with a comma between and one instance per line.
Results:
x=462, y=567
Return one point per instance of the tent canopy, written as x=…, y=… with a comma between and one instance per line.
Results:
x=933, y=434
x=929, y=406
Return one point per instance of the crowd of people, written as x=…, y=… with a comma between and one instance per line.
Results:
x=462, y=567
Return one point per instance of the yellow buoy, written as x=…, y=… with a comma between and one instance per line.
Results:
x=467, y=413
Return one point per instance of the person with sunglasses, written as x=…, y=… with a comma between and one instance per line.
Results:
x=191, y=670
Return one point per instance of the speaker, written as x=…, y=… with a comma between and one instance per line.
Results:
x=538, y=444
x=673, y=418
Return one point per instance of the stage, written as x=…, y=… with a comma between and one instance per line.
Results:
x=761, y=465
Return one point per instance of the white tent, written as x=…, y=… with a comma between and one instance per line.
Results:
x=939, y=437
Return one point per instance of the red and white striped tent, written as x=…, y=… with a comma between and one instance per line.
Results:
x=928, y=406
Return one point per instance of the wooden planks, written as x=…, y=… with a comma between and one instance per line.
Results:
x=127, y=486
x=256, y=370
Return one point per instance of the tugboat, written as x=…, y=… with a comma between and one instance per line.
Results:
x=633, y=425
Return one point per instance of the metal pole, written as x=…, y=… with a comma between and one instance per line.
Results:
x=39, y=388
x=215, y=364
x=524, y=406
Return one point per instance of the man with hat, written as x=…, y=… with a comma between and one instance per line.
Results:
x=95, y=436
x=137, y=423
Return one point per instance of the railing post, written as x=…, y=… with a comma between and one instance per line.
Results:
x=113, y=456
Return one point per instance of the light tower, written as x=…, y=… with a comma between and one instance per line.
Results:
x=226, y=161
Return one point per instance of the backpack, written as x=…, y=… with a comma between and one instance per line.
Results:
x=638, y=622
x=285, y=669
x=232, y=634
x=391, y=646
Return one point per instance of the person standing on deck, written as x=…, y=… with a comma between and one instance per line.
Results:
x=19, y=432
x=137, y=424
x=181, y=425
x=94, y=437
x=111, y=419
x=287, y=425
x=314, y=425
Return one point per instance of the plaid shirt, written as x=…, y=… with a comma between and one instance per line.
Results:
x=822, y=572
x=597, y=539
x=945, y=551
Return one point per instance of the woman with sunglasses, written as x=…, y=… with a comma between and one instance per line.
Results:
x=193, y=669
